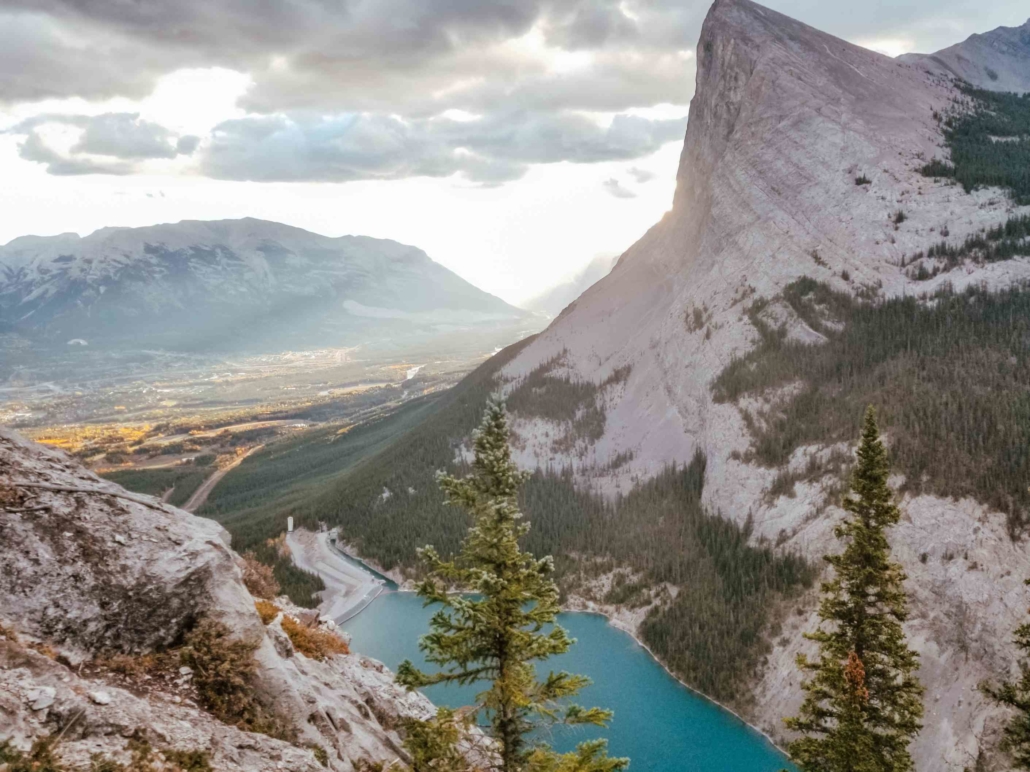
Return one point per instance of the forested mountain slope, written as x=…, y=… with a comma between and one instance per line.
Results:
x=847, y=230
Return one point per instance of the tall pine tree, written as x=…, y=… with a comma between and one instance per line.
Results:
x=863, y=702
x=506, y=623
x=1016, y=695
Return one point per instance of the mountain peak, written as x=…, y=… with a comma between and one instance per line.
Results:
x=998, y=60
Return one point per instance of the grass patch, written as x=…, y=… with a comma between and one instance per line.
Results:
x=948, y=378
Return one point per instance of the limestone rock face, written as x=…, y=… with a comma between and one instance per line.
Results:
x=89, y=570
x=783, y=120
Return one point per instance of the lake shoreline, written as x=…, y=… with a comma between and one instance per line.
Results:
x=590, y=608
x=621, y=627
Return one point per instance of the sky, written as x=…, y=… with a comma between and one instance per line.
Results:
x=512, y=140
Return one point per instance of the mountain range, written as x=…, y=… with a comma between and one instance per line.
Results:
x=831, y=245
x=235, y=285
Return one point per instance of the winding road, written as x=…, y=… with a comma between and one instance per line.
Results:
x=200, y=494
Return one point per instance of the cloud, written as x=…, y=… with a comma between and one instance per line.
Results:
x=490, y=150
x=615, y=188
x=353, y=55
x=641, y=175
x=110, y=143
x=399, y=65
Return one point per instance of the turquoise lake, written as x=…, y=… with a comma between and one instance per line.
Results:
x=659, y=724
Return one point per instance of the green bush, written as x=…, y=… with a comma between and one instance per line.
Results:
x=224, y=670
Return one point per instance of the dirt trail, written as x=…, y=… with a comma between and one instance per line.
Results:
x=200, y=495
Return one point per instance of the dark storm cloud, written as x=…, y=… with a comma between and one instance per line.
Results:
x=109, y=143
x=491, y=150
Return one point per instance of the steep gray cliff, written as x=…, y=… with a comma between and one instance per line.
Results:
x=785, y=122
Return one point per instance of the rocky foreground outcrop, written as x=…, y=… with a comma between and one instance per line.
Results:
x=785, y=125
x=91, y=574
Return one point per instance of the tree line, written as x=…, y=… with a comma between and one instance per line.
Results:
x=949, y=373
x=863, y=702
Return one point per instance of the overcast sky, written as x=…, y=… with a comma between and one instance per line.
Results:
x=513, y=140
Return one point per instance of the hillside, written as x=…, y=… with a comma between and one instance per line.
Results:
x=236, y=285
x=699, y=403
x=104, y=593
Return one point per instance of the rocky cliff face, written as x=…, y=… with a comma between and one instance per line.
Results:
x=89, y=571
x=230, y=285
x=785, y=118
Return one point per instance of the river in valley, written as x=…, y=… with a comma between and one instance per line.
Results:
x=660, y=724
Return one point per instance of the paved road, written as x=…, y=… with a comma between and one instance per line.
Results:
x=200, y=494
x=349, y=590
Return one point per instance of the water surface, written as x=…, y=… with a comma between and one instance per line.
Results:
x=660, y=724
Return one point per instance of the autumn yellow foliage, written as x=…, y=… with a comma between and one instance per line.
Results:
x=267, y=611
x=314, y=642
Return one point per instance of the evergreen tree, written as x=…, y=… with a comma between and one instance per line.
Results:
x=1017, y=695
x=496, y=633
x=863, y=702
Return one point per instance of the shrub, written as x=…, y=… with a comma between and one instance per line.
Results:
x=143, y=759
x=189, y=761
x=267, y=611
x=321, y=755
x=863, y=180
x=223, y=673
x=10, y=496
x=313, y=642
x=899, y=217
x=259, y=578
x=39, y=759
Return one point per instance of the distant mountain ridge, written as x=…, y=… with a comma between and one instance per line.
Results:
x=233, y=285
x=998, y=60
x=554, y=300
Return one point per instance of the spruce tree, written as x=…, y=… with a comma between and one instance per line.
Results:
x=863, y=702
x=1016, y=695
x=507, y=621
